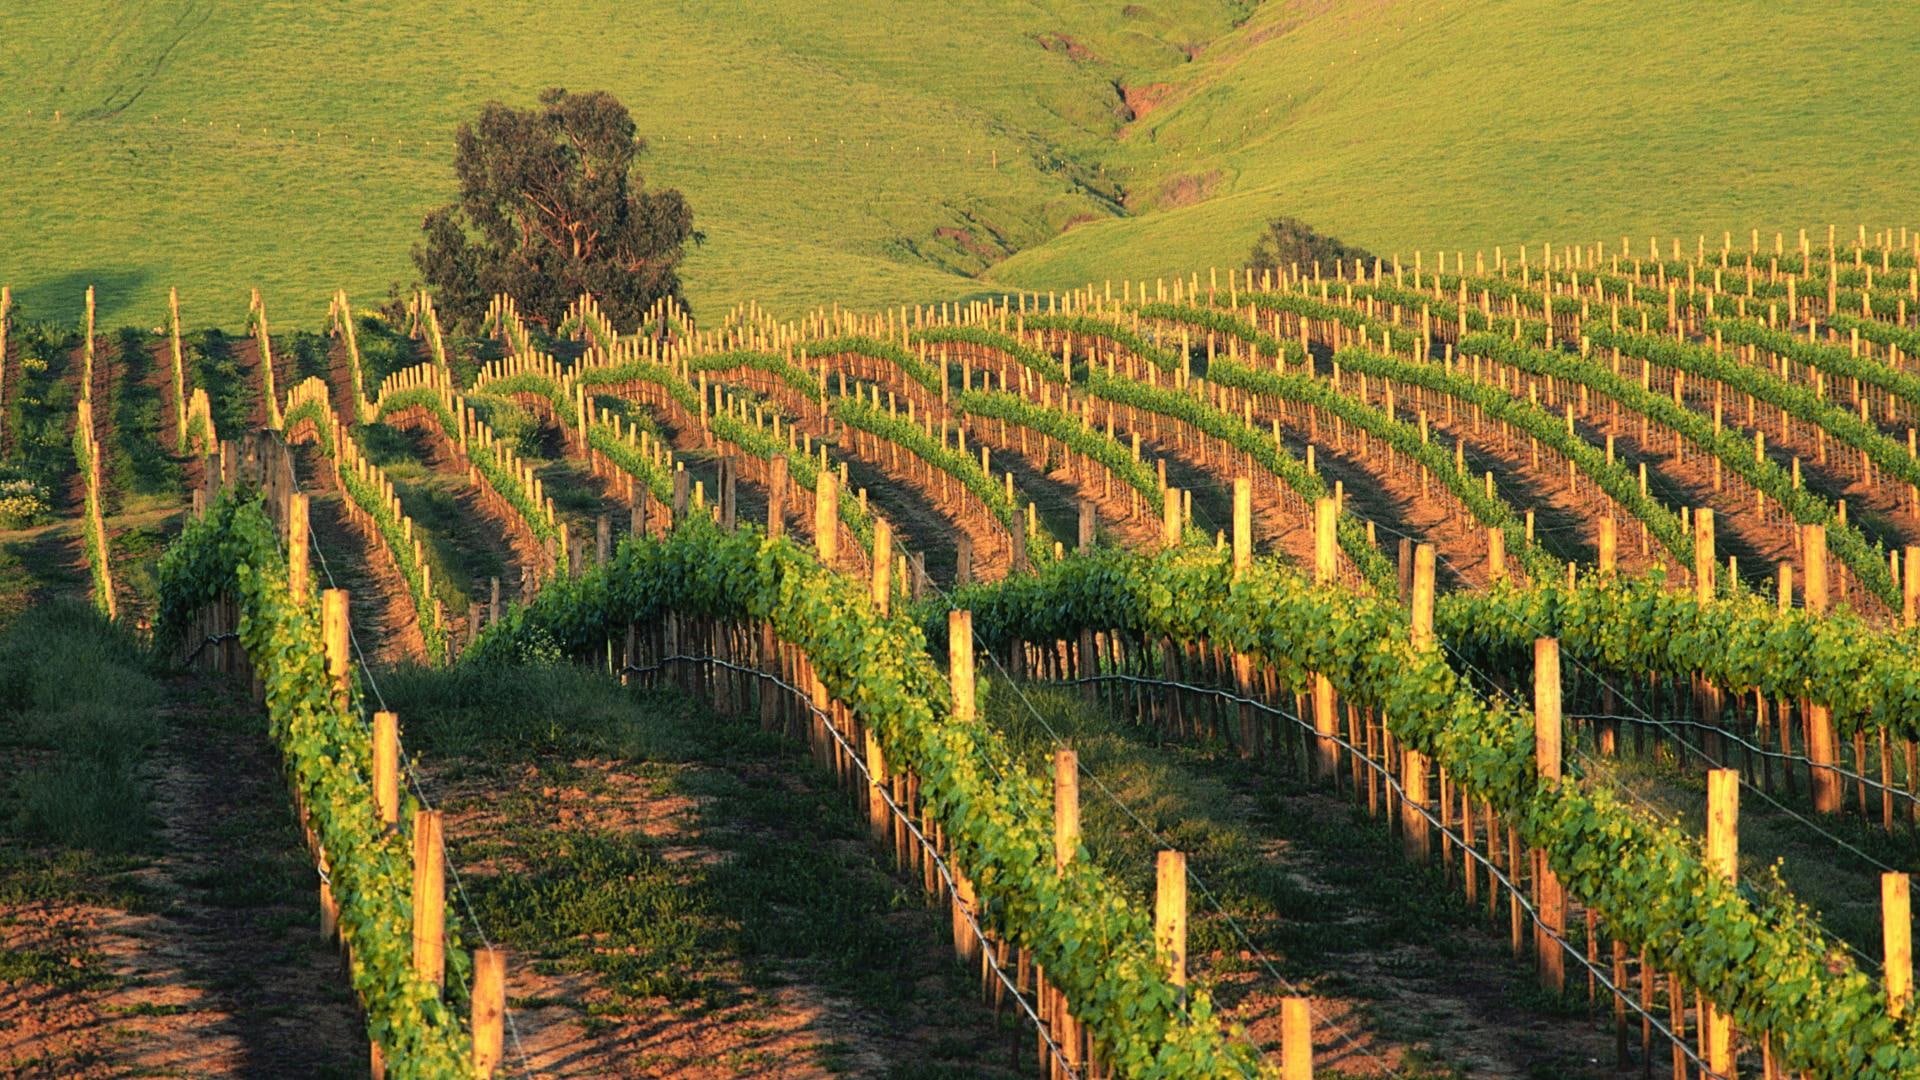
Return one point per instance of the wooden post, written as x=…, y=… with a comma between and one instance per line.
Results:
x=1326, y=753
x=297, y=541
x=334, y=632
x=1086, y=525
x=1066, y=807
x=1549, y=898
x=1609, y=545
x=1017, y=538
x=1326, y=514
x=1910, y=586
x=960, y=664
x=963, y=561
x=1814, y=569
x=386, y=767
x=1403, y=565
x=1242, y=525
x=1496, y=554
x=1170, y=523
x=1703, y=562
x=1423, y=636
x=777, y=497
x=882, y=583
x=489, y=1009
x=1723, y=860
x=877, y=778
x=1296, y=1040
x=1896, y=940
x=1170, y=913
x=826, y=517
x=493, y=600
x=1820, y=748
x=1414, y=832
x=429, y=899
x=602, y=539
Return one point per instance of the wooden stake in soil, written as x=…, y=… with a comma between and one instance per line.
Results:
x=1086, y=525
x=297, y=535
x=1609, y=545
x=881, y=587
x=1242, y=525
x=1703, y=561
x=1423, y=556
x=1170, y=913
x=1066, y=807
x=826, y=517
x=960, y=664
x=1723, y=860
x=1550, y=899
x=777, y=496
x=1326, y=514
x=429, y=899
x=1170, y=517
x=489, y=1009
x=1896, y=939
x=1296, y=1040
x=333, y=631
x=386, y=767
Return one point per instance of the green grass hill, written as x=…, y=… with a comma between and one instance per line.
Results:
x=870, y=153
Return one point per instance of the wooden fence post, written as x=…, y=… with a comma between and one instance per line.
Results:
x=777, y=497
x=1896, y=940
x=1820, y=740
x=1609, y=545
x=1703, y=561
x=1723, y=860
x=1066, y=806
x=602, y=539
x=334, y=633
x=1242, y=525
x=960, y=663
x=1814, y=551
x=1170, y=913
x=1296, y=1040
x=1086, y=526
x=1423, y=558
x=386, y=767
x=962, y=561
x=1496, y=554
x=1549, y=897
x=881, y=585
x=297, y=541
x=429, y=898
x=826, y=517
x=1910, y=586
x=1326, y=516
x=1170, y=517
x=489, y=1009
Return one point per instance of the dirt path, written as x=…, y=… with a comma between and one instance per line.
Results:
x=203, y=960
x=1304, y=894
x=380, y=611
x=705, y=905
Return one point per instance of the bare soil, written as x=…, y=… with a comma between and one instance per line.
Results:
x=212, y=965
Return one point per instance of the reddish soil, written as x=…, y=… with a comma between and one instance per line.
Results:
x=216, y=969
x=379, y=608
x=571, y=1023
x=1146, y=99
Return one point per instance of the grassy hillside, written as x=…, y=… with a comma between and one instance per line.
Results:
x=297, y=146
x=1401, y=125
x=890, y=152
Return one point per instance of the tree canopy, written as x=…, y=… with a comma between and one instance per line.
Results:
x=551, y=206
x=1289, y=240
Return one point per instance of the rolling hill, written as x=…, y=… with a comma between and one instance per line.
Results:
x=886, y=153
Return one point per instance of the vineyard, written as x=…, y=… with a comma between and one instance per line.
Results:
x=1462, y=663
